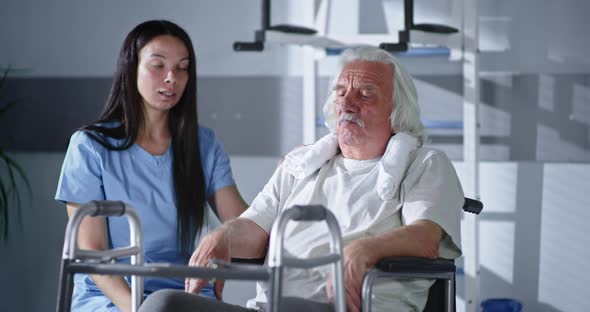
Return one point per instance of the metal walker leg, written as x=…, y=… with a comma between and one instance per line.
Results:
x=277, y=259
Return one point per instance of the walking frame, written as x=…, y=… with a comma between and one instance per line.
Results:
x=76, y=261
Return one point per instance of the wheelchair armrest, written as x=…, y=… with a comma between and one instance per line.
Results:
x=416, y=265
x=408, y=268
x=259, y=261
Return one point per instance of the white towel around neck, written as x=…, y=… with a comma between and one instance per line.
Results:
x=392, y=167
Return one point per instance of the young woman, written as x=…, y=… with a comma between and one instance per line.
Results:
x=147, y=150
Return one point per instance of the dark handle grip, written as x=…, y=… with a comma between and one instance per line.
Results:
x=309, y=213
x=248, y=46
x=472, y=205
x=107, y=208
x=394, y=47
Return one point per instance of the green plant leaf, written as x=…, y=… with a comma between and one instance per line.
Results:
x=4, y=208
x=13, y=188
x=4, y=78
x=20, y=171
x=6, y=107
x=9, y=190
x=13, y=166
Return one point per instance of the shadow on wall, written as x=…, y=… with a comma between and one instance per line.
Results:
x=548, y=121
x=531, y=234
x=523, y=117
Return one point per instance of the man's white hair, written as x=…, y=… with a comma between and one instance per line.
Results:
x=405, y=116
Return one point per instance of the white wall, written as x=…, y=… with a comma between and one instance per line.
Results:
x=532, y=234
x=82, y=38
x=544, y=36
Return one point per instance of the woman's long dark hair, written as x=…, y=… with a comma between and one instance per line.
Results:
x=124, y=105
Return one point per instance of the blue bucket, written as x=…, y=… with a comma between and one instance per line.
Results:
x=501, y=305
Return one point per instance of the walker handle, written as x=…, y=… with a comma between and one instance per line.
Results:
x=309, y=213
x=107, y=208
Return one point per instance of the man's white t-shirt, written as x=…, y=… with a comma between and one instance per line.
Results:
x=430, y=190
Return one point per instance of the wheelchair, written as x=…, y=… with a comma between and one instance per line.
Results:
x=441, y=295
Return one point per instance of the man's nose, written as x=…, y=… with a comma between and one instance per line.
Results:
x=348, y=103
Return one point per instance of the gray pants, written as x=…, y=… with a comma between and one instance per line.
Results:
x=168, y=300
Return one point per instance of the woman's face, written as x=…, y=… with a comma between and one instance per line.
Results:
x=162, y=72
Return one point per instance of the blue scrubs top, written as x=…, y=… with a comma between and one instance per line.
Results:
x=144, y=182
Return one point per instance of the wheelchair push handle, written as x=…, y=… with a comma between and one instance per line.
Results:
x=472, y=205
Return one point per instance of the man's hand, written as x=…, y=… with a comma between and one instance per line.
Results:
x=358, y=259
x=214, y=245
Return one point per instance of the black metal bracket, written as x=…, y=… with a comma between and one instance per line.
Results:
x=401, y=46
x=259, y=36
x=404, y=35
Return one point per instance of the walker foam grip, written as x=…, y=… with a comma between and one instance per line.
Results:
x=472, y=205
x=108, y=208
x=309, y=213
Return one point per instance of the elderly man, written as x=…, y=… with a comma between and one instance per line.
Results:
x=391, y=196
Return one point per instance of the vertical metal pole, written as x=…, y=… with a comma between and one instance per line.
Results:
x=310, y=72
x=471, y=97
x=450, y=295
x=265, y=14
x=338, y=266
x=309, y=95
x=275, y=260
x=135, y=234
x=408, y=14
x=276, y=291
x=66, y=283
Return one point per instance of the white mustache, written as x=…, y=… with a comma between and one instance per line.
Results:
x=352, y=118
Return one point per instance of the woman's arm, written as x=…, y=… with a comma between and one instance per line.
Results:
x=228, y=202
x=93, y=236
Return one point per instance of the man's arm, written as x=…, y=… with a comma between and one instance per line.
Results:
x=248, y=240
x=433, y=194
x=419, y=239
x=239, y=238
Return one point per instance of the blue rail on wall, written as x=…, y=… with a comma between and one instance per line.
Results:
x=428, y=124
x=415, y=52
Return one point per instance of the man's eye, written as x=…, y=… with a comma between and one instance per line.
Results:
x=366, y=94
x=157, y=65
